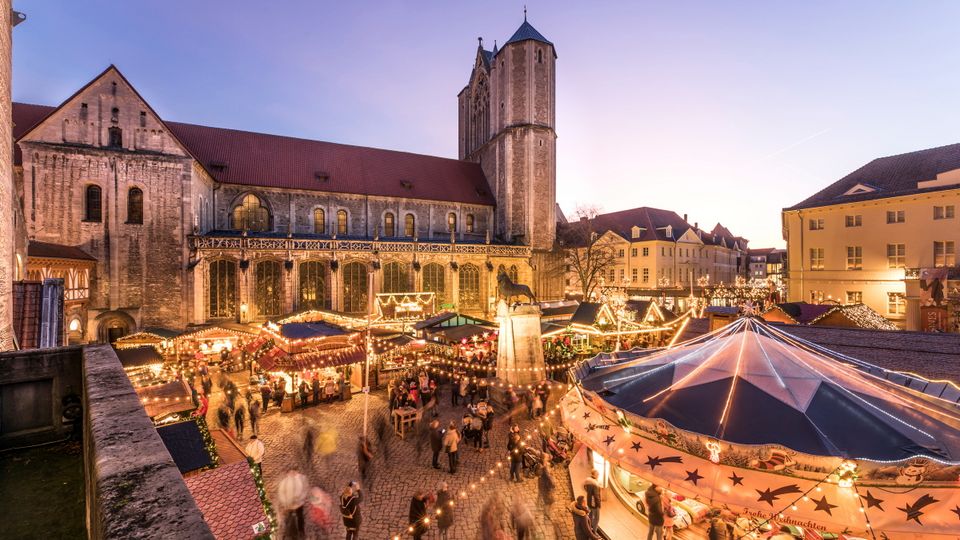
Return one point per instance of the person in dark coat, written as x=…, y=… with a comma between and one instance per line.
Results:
x=315, y=385
x=581, y=520
x=418, y=513
x=265, y=394
x=364, y=456
x=515, y=452
x=238, y=418
x=654, y=504
x=592, y=487
x=472, y=392
x=444, y=510
x=255, y=417
x=303, y=393
x=350, y=501
x=436, y=442
x=278, y=394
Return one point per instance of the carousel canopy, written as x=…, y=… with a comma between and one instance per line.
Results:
x=750, y=383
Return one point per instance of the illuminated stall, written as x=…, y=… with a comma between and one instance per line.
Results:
x=774, y=434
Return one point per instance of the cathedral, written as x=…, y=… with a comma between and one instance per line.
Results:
x=162, y=224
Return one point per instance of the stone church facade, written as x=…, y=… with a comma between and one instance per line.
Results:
x=192, y=224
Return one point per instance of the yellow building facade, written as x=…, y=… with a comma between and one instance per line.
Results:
x=865, y=238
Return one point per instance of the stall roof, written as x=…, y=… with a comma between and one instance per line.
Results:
x=227, y=497
x=310, y=330
x=138, y=356
x=161, y=399
x=449, y=319
x=458, y=333
x=751, y=383
x=185, y=444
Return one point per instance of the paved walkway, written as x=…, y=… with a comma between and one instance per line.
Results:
x=398, y=470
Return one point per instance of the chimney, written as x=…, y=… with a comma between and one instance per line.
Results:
x=696, y=225
x=684, y=217
x=583, y=219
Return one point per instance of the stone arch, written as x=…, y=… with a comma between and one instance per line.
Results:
x=239, y=199
x=112, y=325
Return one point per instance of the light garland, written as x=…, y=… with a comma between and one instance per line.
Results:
x=476, y=484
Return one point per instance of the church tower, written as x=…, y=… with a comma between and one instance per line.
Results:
x=507, y=119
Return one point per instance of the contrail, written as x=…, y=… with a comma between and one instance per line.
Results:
x=792, y=146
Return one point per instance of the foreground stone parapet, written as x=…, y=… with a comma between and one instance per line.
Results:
x=134, y=489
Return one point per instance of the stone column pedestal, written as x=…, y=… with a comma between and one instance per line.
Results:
x=519, y=349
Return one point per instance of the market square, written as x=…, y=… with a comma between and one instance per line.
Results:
x=314, y=293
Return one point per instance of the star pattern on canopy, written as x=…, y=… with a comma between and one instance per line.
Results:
x=737, y=480
x=872, y=501
x=693, y=476
x=823, y=505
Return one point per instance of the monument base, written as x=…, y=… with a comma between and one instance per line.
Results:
x=519, y=349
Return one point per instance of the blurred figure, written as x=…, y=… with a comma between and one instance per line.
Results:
x=522, y=519
x=444, y=510
x=418, y=515
x=592, y=486
x=350, y=501
x=254, y=451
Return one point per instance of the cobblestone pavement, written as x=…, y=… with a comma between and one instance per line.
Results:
x=399, y=470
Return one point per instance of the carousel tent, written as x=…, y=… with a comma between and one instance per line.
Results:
x=750, y=383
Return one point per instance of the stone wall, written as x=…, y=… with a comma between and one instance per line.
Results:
x=7, y=198
x=32, y=386
x=293, y=211
x=134, y=489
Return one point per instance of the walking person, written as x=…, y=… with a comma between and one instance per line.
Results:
x=350, y=500
x=668, y=514
x=472, y=392
x=254, y=451
x=463, y=387
x=364, y=456
x=581, y=520
x=450, y=441
x=654, y=502
x=436, y=442
x=418, y=513
x=516, y=457
x=315, y=386
x=522, y=518
x=592, y=486
x=546, y=486
x=239, y=419
x=455, y=390
x=444, y=510
x=255, y=417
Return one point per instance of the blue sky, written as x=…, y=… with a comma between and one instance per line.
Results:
x=726, y=111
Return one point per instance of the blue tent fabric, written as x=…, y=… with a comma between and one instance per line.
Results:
x=185, y=444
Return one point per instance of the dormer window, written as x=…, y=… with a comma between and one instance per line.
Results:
x=669, y=231
x=406, y=184
x=636, y=231
x=321, y=176
x=860, y=188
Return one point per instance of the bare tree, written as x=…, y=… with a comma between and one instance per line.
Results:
x=588, y=253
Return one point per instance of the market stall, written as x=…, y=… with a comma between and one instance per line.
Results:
x=775, y=434
x=597, y=327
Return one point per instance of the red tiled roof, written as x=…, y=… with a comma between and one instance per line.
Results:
x=273, y=161
x=25, y=116
x=227, y=497
x=56, y=251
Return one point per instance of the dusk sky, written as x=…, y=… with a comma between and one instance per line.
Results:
x=726, y=111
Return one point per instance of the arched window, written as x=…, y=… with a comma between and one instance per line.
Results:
x=355, y=287
x=434, y=280
x=469, y=286
x=223, y=289
x=251, y=215
x=409, y=226
x=451, y=222
x=389, y=225
x=397, y=278
x=135, y=206
x=341, y=222
x=93, y=210
x=469, y=223
x=269, y=289
x=319, y=221
x=313, y=285
x=514, y=273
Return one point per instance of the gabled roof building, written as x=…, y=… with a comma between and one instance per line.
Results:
x=884, y=235
x=180, y=224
